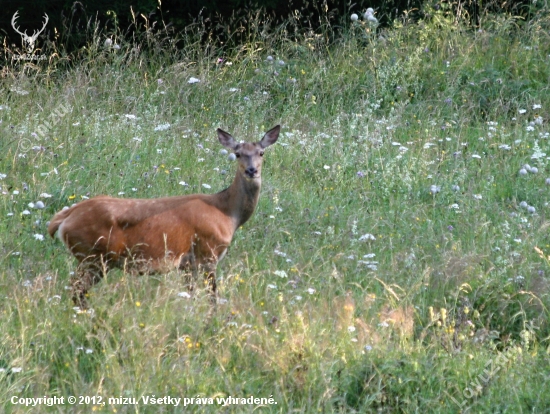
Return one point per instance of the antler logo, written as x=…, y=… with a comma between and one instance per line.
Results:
x=28, y=41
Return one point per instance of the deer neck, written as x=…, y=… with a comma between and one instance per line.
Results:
x=240, y=199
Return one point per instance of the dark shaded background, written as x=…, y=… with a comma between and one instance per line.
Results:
x=70, y=18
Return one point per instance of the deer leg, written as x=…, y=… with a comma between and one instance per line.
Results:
x=188, y=266
x=210, y=280
x=197, y=265
x=89, y=272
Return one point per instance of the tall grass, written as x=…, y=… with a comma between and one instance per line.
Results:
x=390, y=262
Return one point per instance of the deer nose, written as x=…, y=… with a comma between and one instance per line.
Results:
x=251, y=171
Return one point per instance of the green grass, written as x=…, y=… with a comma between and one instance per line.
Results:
x=454, y=295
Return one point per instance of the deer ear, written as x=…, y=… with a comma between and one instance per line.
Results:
x=226, y=139
x=270, y=137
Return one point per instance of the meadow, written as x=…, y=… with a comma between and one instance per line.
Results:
x=398, y=259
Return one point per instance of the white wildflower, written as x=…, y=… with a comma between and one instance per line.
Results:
x=369, y=16
x=162, y=127
x=368, y=264
x=366, y=237
x=280, y=273
x=434, y=189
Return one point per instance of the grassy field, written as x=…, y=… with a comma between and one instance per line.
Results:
x=398, y=257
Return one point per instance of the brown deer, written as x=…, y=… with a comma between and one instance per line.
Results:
x=189, y=232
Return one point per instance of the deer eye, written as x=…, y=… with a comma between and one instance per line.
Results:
x=237, y=155
x=261, y=154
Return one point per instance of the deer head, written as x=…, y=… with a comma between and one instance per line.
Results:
x=28, y=41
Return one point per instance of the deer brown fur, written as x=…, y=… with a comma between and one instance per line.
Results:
x=155, y=235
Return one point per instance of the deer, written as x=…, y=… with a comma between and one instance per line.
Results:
x=28, y=41
x=188, y=233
